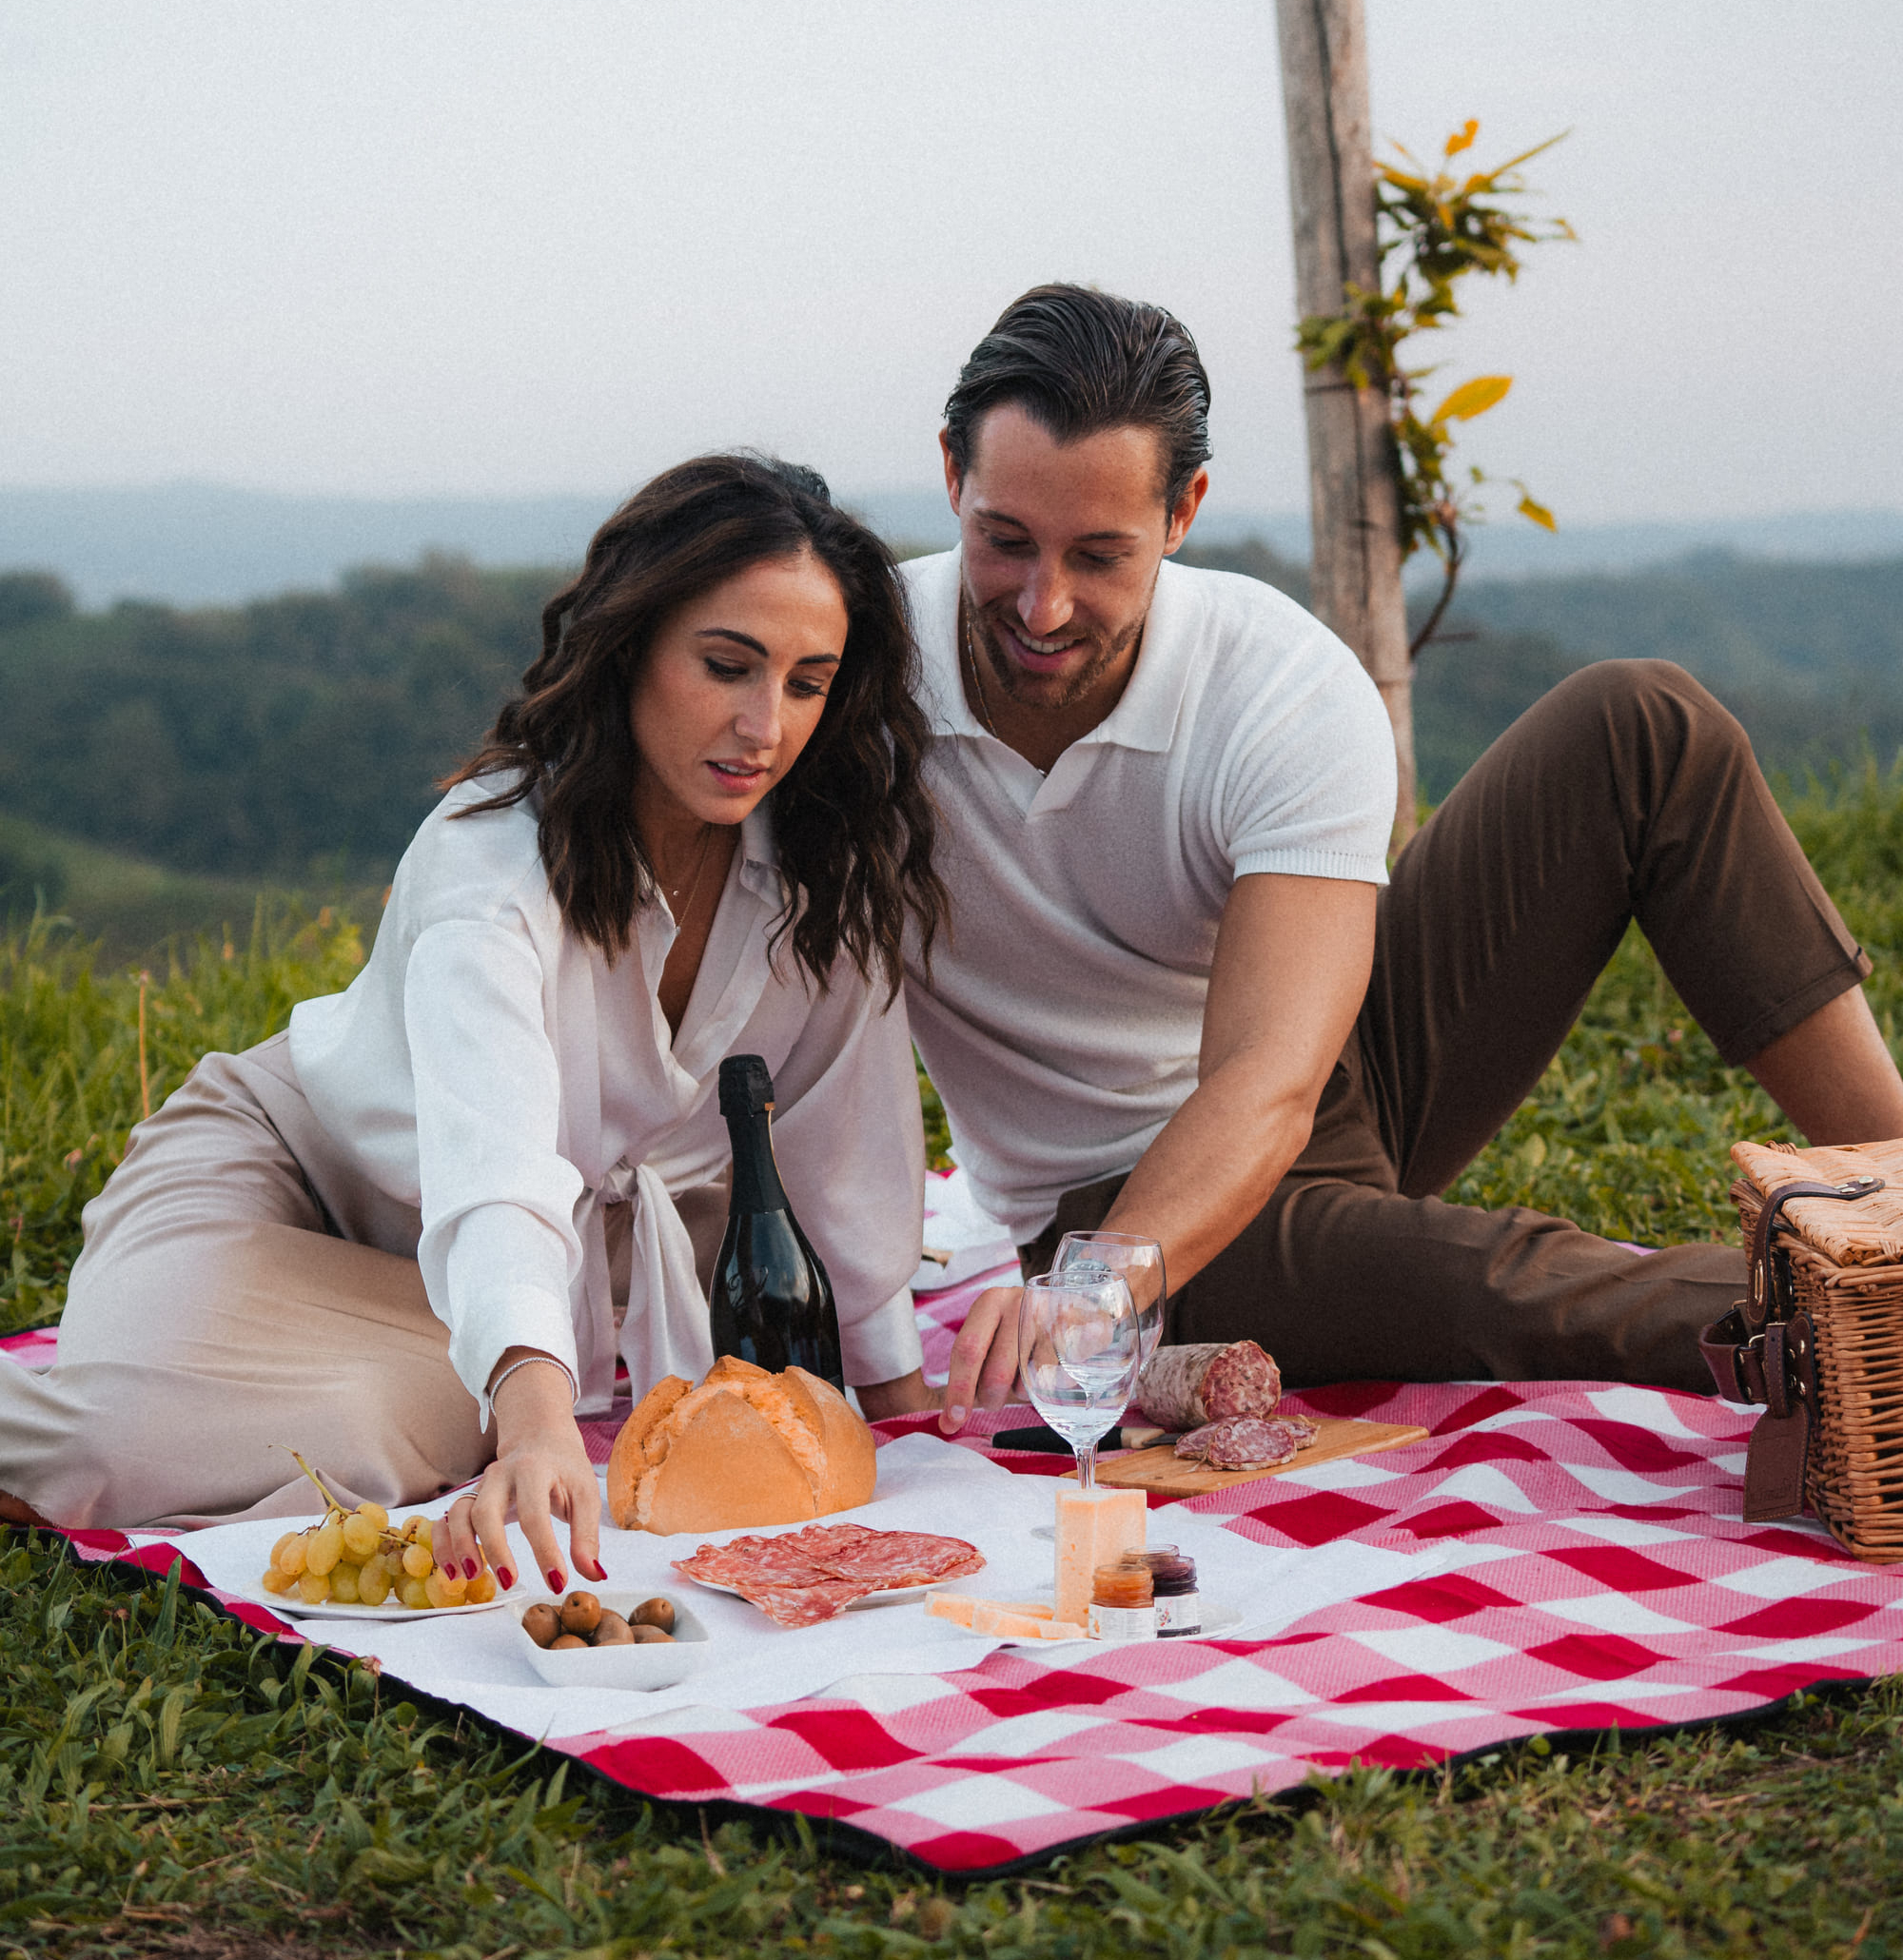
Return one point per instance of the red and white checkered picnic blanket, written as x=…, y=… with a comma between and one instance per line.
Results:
x=1591, y=1573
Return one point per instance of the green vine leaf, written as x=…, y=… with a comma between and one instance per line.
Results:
x=1434, y=229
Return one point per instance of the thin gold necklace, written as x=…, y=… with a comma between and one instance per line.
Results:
x=673, y=891
x=977, y=676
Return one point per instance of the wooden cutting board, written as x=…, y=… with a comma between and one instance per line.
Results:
x=1161, y=1470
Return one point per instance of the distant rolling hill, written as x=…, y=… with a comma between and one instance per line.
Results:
x=296, y=740
x=213, y=544
x=1808, y=656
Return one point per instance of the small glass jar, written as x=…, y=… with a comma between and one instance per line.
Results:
x=1123, y=1600
x=1179, y=1609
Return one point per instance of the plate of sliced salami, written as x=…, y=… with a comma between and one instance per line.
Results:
x=885, y=1596
x=798, y=1578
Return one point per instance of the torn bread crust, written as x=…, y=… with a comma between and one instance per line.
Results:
x=786, y=1412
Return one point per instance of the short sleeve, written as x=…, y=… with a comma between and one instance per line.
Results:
x=1306, y=782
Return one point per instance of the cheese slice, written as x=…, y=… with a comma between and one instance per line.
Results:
x=962, y=1609
x=1094, y=1527
x=1002, y=1623
x=956, y=1607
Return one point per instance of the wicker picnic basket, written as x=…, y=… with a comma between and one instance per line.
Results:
x=1828, y=1290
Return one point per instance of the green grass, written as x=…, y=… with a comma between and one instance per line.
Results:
x=72, y=1080
x=170, y=1782
x=135, y=912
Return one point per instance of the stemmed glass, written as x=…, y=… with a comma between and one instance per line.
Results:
x=1140, y=1262
x=1079, y=1348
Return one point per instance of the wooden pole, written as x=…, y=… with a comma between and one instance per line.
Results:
x=1354, y=495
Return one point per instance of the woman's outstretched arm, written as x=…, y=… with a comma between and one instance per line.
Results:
x=542, y=1472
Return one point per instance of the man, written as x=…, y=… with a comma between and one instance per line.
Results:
x=1181, y=997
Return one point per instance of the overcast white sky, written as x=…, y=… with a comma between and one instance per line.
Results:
x=472, y=245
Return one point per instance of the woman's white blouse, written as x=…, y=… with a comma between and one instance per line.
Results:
x=491, y=1068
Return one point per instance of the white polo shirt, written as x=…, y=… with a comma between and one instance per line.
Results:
x=1063, y=1012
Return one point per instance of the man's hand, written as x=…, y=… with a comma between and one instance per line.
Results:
x=541, y=1472
x=983, y=1357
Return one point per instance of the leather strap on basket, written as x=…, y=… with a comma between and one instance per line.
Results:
x=1764, y=1351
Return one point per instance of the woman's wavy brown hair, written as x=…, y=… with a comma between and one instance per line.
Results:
x=852, y=819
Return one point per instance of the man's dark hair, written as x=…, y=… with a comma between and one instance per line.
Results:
x=1080, y=362
x=852, y=820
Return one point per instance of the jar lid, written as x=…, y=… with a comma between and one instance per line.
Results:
x=1171, y=1571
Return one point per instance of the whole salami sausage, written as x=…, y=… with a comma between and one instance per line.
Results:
x=1185, y=1388
x=1247, y=1443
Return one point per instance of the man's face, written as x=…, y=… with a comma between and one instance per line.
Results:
x=1062, y=543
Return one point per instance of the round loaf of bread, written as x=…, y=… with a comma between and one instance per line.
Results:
x=743, y=1448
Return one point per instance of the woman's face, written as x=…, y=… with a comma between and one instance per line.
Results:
x=732, y=689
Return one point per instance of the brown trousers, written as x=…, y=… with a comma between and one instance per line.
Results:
x=1627, y=793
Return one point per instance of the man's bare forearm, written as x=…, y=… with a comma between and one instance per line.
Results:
x=1212, y=1166
x=1291, y=967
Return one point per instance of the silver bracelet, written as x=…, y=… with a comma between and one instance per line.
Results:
x=529, y=1360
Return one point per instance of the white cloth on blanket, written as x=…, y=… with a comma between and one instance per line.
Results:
x=925, y=1485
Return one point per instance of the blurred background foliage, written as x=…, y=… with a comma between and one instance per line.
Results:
x=295, y=741
x=216, y=799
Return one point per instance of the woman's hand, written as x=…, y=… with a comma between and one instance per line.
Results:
x=905, y=1394
x=542, y=1472
x=983, y=1357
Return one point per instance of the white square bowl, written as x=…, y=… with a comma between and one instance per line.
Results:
x=645, y=1664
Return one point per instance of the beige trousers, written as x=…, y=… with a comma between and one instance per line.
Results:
x=240, y=1291
x=244, y=1291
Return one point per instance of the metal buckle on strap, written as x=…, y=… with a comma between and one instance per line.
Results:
x=1741, y=1355
x=1768, y=1265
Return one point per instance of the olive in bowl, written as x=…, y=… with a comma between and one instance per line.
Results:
x=624, y=1645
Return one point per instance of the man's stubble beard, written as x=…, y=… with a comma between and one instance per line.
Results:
x=1012, y=680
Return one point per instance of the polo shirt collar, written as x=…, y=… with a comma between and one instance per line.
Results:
x=1145, y=719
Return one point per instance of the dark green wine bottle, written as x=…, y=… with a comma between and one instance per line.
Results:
x=771, y=1302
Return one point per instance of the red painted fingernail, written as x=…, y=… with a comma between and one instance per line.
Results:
x=507, y=1578
x=600, y=1571
x=469, y=1568
x=553, y=1580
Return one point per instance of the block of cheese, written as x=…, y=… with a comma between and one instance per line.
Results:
x=1094, y=1527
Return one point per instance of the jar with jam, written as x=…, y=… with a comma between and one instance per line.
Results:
x=1179, y=1610
x=1123, y=1600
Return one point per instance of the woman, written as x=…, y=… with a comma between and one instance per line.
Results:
x=410, y=1235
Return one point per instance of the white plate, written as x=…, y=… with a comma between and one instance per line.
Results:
x=644, y=1666
x=891, y=1595
x=334, y=1609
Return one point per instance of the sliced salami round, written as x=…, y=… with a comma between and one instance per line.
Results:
x=1184, y=1387
x=1242, y=1380
x=1247, y=1443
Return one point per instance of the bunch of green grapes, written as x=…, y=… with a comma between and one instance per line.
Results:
x=356, y=1558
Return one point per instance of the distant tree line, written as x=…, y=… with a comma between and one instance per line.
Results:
x=1809, y=656
x=300, y=738
x=289, y=737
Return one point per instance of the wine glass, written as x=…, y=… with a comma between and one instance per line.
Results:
x=1079, y=1346
x=1140, y=1262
